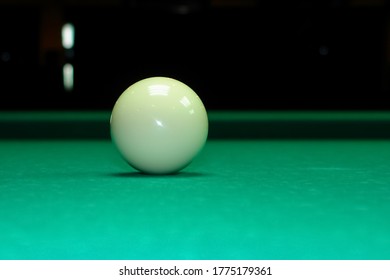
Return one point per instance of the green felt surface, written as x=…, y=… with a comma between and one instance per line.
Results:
x=239, y=199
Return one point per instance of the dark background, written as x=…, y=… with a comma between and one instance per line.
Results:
x=248, y=54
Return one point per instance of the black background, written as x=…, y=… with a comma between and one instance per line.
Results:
x=282, y=55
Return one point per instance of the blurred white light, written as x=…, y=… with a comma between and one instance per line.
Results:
x=158, y=90
x=185, y=101
x=67, y=35
x=159, y=123
x=68, y=78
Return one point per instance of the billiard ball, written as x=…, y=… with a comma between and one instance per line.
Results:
x=159, y=125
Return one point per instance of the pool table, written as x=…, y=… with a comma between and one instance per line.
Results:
x=268, y=185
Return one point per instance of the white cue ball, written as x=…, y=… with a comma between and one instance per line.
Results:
x=159, y=125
